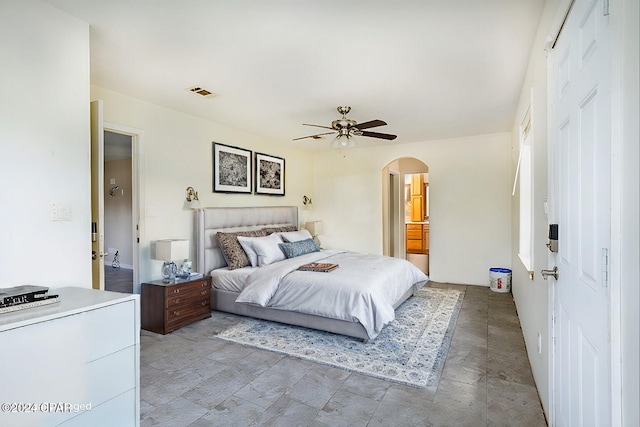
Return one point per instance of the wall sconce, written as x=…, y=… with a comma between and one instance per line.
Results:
x=192, y=198
x=114, y=190
x=306, y=200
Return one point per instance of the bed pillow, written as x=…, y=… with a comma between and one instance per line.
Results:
x=295, y=236
x=301, y=247
x=233, y=253
x=267, y=249
x=247, y=246
x=270, y=230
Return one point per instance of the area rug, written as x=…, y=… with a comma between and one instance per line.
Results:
x=410, y=350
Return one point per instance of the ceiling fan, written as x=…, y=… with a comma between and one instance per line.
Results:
x=346, y=129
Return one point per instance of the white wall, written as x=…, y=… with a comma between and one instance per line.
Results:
x=626, y=200
x=177, y=154
x=469, y=196
x=44, y=132
x=531, y=297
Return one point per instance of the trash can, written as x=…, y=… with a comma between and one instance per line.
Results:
x=500, y=279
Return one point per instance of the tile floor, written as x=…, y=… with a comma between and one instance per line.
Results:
x=118, y=279
x=191, y=378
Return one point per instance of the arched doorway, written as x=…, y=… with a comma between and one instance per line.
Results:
x=405, y=189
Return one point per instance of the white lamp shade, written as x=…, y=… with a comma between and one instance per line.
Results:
x=314, y=227
x=171, y=250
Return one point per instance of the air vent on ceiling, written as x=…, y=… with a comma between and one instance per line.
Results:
x=202, y=92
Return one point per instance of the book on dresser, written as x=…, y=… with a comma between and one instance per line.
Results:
x=21, y=294
x=24, y=297
x=46, y=300
x=323, y=267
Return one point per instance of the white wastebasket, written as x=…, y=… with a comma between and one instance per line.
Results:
x=500, y=279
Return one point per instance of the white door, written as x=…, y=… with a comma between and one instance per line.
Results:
x=580, y=179
x=97, y=195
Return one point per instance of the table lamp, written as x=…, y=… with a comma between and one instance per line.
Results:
x=168, y=251
x=315, y=228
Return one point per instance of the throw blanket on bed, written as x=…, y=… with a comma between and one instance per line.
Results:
x=362, y=289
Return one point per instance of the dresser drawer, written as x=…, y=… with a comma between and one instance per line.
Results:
x=183, y=315
x=187, y=296
x=180, y=288
x=414, y=234
x=417, y=227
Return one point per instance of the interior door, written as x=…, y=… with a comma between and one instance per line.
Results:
x=581, y=177
x=97, y=195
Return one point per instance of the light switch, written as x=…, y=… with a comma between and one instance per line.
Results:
x=59, y=211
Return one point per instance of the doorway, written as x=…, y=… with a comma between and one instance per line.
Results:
x=118, y=212
x=416, y=219
x=403, y=236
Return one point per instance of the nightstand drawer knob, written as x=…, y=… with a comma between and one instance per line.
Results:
x=176, y=291
x=204, y=284
x=203, y=293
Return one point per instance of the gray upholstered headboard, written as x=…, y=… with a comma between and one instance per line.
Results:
x=209, y=221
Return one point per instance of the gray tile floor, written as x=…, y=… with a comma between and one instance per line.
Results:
x=118, y=279
x=192, y=378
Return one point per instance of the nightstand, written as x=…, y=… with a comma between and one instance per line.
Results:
x=166, y=307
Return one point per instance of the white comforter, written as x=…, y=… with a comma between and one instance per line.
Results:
x=363, y=289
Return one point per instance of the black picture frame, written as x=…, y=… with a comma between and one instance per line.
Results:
x=269, y=175
x=232, y=168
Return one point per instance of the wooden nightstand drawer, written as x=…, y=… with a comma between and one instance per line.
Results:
x=190, y=311
x=182, y=287
x=189, y=295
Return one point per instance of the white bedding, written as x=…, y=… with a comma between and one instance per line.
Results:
x=363, y=289
x=231, y=280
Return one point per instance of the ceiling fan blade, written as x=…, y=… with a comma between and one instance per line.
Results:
x=370, y=124
x=379, y=135
x=317, y=136
x=318, y=126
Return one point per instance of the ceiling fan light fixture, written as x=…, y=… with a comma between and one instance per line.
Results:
x=344, y=141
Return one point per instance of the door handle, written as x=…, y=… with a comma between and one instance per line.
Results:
x=94, y=255
x=547, y=273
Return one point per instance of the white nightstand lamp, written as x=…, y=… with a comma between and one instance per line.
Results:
x=315, y=228
x=168, y=251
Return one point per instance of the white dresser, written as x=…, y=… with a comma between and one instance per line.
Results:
x=72, y=363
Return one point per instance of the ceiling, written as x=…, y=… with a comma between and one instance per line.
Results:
x=430, y=69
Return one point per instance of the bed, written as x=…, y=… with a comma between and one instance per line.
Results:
x=354, y=300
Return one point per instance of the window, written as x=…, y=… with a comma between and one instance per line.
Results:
x=524, y=174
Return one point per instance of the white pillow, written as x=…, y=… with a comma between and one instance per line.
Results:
x=247, y=246
x=266, y=249
x=296, y=236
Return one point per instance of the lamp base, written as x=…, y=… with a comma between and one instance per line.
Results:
x=169, y=270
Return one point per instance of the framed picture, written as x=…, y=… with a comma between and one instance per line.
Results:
x=269, y=175
x=231, y=169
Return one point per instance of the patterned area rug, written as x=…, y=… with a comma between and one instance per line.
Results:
x=410, y=350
